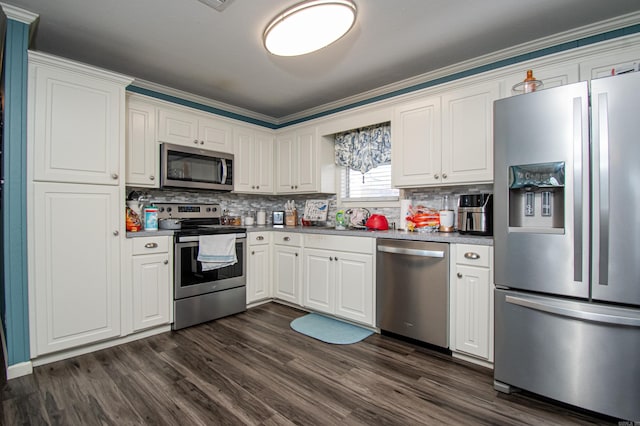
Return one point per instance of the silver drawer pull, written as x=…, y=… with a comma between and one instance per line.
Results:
x=259, y=238
x=151, y=245
x=471, y=255
x=286, y=238
x=166, y=262
x=459, y=275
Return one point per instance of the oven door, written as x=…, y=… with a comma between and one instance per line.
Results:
x=189, y=278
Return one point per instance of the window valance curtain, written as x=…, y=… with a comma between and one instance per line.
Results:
x=365, y=148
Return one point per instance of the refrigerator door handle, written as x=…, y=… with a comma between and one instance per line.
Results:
x=578, y=164
x=602, y=167
x=557, y=309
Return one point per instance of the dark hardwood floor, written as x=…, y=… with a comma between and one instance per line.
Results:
x=252, y=368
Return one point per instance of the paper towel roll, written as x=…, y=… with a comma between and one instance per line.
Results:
x=404, y=212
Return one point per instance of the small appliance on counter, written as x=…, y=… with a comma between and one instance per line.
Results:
x=475, y=214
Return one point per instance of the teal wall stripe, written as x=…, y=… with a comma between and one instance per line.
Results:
x=633, y=29
x=199, y=106
x=16, y=313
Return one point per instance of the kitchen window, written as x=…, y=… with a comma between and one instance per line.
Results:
x=365, y=157
x=374, y=185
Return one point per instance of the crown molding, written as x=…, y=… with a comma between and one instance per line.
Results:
x=480, y=61
x=17, y=14
x=155, y=87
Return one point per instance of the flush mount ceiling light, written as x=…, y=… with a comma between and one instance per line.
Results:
x=309, y=26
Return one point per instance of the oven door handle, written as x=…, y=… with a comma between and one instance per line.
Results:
x=196, y=238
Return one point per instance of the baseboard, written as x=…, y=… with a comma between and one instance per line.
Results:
x=18, y=370
x=472, y=359
x=59, y=356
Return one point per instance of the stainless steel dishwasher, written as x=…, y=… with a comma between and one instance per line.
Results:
x=412, y=296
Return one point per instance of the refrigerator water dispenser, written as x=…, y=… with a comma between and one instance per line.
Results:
x=536, y=197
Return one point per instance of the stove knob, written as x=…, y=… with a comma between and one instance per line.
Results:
x=208, y=209
x=160, y=209
x=214, y=209
x=169, y=209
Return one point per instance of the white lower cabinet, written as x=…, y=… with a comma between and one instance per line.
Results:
x=472, y=301
x=338, y=276
x=258, y=267
x=287, y=250
x=74, y=263
x=151, y=282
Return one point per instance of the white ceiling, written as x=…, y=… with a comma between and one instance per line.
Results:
x=185, y=45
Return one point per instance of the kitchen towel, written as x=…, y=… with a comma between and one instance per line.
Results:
x=217, y=251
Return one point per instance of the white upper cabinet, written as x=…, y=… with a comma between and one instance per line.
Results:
x=467, y=134
x=304, y=162
x=189, y=128
x=416, y=143
x=76, y=122
x=444, y=140
x=142, y=159
x=253, y=161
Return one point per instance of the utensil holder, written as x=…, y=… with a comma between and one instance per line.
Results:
x=291, y=218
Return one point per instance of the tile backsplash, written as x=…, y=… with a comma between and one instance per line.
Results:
x=236, y=204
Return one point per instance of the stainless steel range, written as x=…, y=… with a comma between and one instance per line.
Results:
x=199, y=294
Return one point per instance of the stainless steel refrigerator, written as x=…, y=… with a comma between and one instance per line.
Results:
x=567, y=244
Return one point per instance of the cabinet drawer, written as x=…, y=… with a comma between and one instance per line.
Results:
x=258, y=238
x=469, y=254
x=287, y=239
x=150, y=245
x=364, y=245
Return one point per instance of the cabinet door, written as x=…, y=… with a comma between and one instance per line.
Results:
x=244, y=161
x=472, y=310
x=467, y=135
x=215, y=135
x=177, y=127
x=286, y=177
x=143, y=154
x=306, y=159
x=354, y=287
x=258, y=273
x=75, y=264
x=263, y=163
x=286, y=275
x=77, y=126
x=416, y=147
x=152, y=292
x=319, y=280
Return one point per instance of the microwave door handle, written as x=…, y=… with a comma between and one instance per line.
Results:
x=224, y=171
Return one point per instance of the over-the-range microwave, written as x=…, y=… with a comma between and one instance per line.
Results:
x=195, y=168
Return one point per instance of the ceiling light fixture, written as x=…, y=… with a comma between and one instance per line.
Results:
x=309, y=26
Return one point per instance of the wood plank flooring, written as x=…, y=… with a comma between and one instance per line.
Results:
x=252, y=369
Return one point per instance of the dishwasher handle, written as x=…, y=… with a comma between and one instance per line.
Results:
x=411, y=252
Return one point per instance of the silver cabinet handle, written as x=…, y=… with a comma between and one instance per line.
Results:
x=296, y=254
x=253, y=187
x=152, y=177
x=296, y=187
x=286, y=238
x=259, y=238
x=330, y=259
x=166, y=262
x=151, y=245
x=116, y=232
x=411, y=252
x=291, y=186
x=436, y=176
x=114, y=176
x=257, y=186
x=335, y=258
x=444, y=176
x=471, y=255
x=195, y=141
x=201, y=142
x=253, y=252
x=459, y=275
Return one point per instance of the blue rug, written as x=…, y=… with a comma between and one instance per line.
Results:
x=329, y=330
